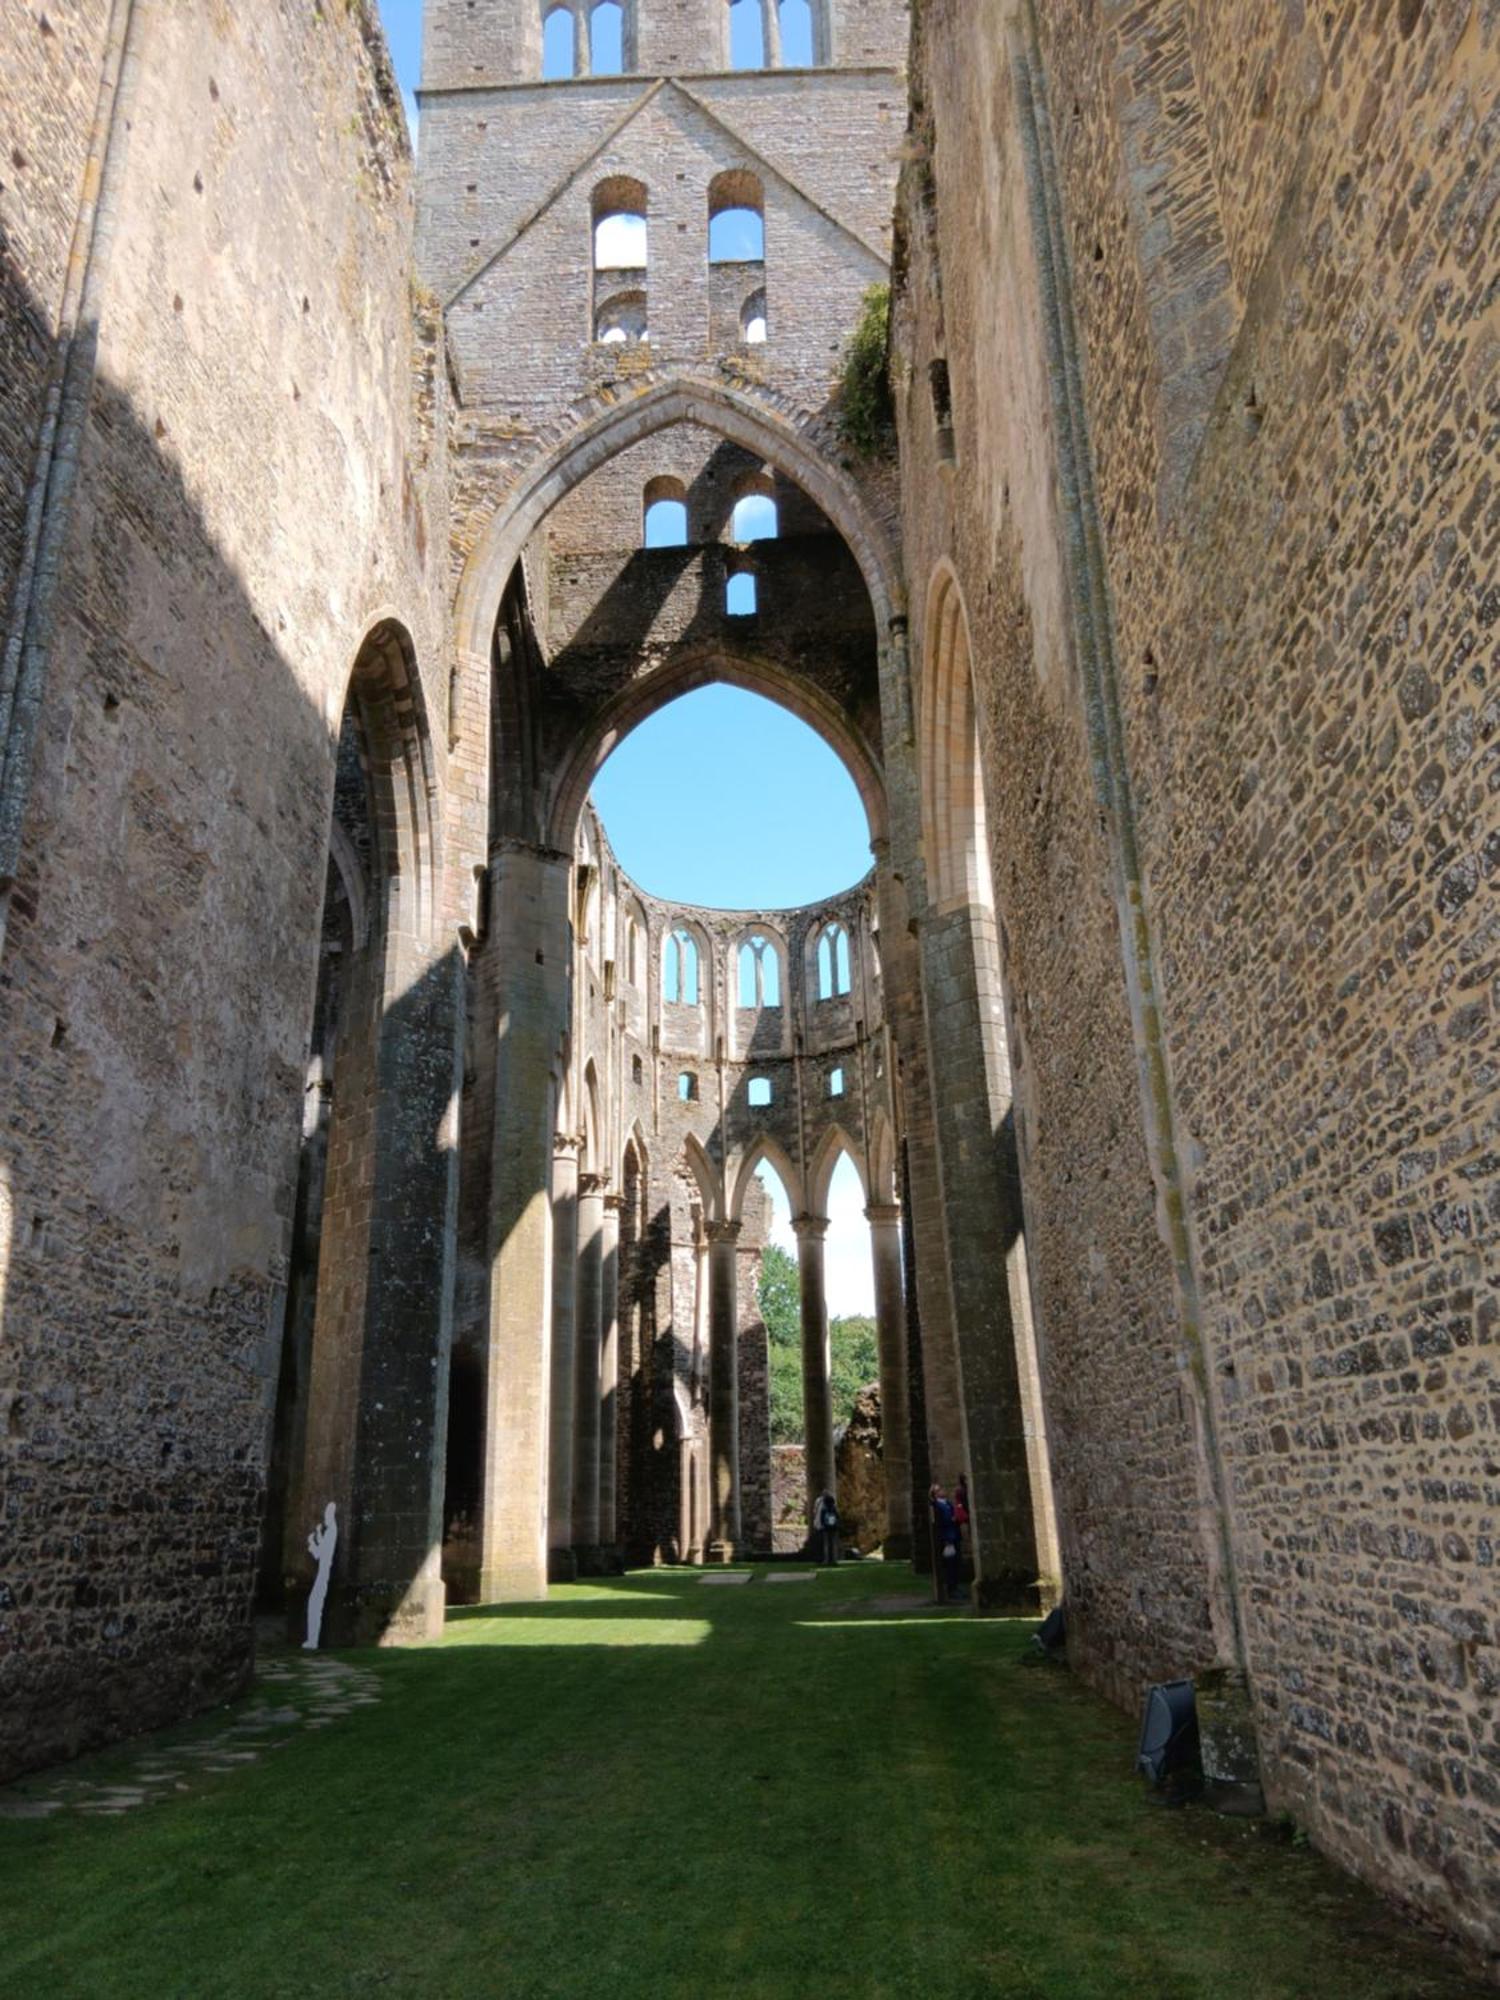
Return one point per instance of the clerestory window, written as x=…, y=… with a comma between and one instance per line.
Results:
x=680, y=969
x=798, y=38
x=747, y=35
x=559, y=45
x=759, y=973
x=664, y=520
x=607, y=39
x=833, y=962
x=620, y=261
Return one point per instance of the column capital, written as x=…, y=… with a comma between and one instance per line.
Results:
x=614, y=1201
x=566, y=1143
x=883, y=1212
x=592, y=1184
x=810, y=1228
x=722, y=1232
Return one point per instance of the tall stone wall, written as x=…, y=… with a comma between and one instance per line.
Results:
x=1214, y=291
x=50, y=118
x=254, y=490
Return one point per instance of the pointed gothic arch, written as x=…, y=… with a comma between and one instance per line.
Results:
x=767, y=1149
x=703, y=667
x=955, y=842
x=731, y=413
x=707, y=1177
x=834, y=1142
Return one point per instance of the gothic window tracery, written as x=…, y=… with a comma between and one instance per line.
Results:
x=833, y=962
x=680, y=982
x=759, y=973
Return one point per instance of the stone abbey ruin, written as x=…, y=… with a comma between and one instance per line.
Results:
x=369, y=1135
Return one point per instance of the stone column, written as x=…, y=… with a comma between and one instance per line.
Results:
x=560, y=1563
x=529, y=927
x=969, y=1078
x=723, y=1392
x=587, y=1335
x=609, y=1376
x=817, y=1397
x=378, y=1396
x=895, y=1411
x=770, y=14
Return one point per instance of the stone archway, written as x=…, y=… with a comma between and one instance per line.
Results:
x=369, y=1347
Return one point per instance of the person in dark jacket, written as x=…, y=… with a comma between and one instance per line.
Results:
x=945, y=1540
x=826, y=1525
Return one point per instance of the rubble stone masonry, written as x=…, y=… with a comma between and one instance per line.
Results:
x=1215, y=290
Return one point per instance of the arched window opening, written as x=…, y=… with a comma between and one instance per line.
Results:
x=753, y=324
x=758, y=1092
x=620, y=261
x=835, y=1083
x=635, y=950
x=607, y=39
x=736, y=256
x=592, y=928
x=665, y=517
x=680, y=969
x=621, y=320
x=954, y=834
x=747, y=35
x=737, y=236
x=760, y=973
x=706, y=756
x=740, y=595
x=559, y=59
x=798, y=40
x=833, y=963
x=687, y=1087
x=620, y=240
x=637, y=1071
x=754, y=519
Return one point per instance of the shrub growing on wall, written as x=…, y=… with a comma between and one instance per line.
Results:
x=866, y=417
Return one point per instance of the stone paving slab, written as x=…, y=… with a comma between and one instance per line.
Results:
x=310, y=1692
x=724, y=1577
x=792, y=1576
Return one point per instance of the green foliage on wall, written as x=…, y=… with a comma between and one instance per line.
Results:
x=854, y=1352
x=866, y=416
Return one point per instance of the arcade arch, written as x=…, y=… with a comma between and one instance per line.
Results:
x=613, y=658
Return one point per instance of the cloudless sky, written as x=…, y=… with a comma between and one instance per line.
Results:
x=402, y=20
x=722, y=798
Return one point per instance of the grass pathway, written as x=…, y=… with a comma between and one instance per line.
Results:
x=654, y=1788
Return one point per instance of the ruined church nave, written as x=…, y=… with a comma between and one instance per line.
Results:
x=446, y=1465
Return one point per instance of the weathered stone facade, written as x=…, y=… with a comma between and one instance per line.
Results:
x=347, y=1150
x=223, y=469
x=1213, y=470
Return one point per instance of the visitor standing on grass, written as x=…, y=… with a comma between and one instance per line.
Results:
x=960, y=1511
x=945, y=1540
x=826, y=1526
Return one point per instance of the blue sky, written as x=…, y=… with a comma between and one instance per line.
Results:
x=725, y=799
x=403, y=30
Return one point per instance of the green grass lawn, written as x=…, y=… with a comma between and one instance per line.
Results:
x=653, y=1787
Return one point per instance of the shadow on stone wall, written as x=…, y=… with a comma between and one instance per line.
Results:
x=154, y=1008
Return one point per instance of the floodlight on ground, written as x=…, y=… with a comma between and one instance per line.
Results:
x=1168, y=1753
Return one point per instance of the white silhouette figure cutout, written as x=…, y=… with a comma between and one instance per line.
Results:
x=320, y=1546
